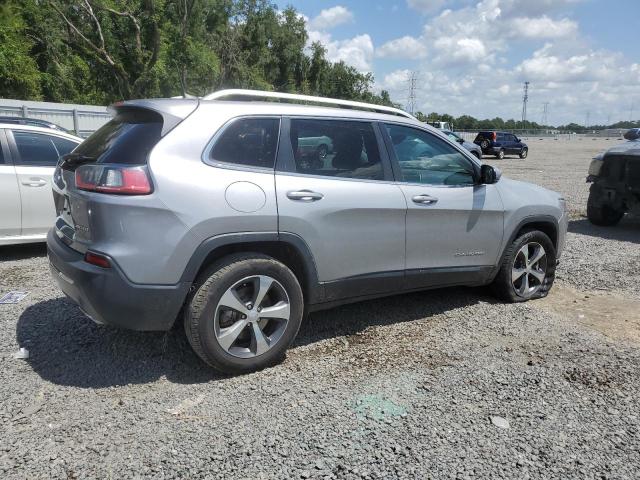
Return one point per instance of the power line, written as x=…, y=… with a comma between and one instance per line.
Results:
x=413, y=84
x=545, y=112
x=525, y=99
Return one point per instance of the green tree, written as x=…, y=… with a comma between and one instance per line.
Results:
x=19, y=74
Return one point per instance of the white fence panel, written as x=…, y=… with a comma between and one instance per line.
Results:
x=81, y=119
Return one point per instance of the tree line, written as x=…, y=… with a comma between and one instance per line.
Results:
x=467, y=122
x=101, y=51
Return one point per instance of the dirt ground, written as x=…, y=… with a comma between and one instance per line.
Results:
x=442, y=384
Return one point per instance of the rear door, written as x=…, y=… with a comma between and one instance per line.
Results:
x=512, y=144
x=35, y=156
x=343, y=204
x=454, y=224
x=9, y=193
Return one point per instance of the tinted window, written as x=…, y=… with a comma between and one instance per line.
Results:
x=336, y=148
x=40, y=149
x=127, y=138
x=63, y=145
x=424, y=158
x=248, y=141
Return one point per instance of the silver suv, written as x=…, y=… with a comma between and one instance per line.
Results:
x=210, y=211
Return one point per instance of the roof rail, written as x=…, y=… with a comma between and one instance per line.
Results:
x=259, y=94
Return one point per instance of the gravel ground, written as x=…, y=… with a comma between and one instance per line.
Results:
x=442, y=384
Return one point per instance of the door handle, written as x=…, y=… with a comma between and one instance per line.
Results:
x=305, y=195
x=34, y=182
x=424, y=199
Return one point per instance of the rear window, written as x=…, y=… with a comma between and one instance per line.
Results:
x=127, y=138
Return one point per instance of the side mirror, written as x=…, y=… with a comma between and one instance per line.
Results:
x=632, y=134
x=460, y=140
x=489, y=175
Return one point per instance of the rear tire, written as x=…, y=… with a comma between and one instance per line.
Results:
x=604, y=215
x=519, y=267
x=243, y=338
x=524, y=153
x=500, y=154
x=484, y=144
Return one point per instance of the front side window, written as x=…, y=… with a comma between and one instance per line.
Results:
x=336, y=148
x=424, y=158
x=251, y=142
x=39, y=149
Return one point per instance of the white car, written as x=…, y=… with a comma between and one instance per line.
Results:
x=28, y=157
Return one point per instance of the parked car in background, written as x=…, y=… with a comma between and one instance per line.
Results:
x=501, y=144
x=28, y=157
x=440, y=125
x=33, y=122
x=314, y=150
x=472, y=147
x=206, y=209
x=615, y=182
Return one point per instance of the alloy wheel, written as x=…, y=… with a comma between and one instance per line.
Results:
x=529, y=270
x=252, y=316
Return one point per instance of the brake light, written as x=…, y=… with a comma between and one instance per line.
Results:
x=494, y=135
x=114, y=179
x=97, y=260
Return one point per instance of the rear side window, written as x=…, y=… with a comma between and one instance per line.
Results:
x=127, y=138
x=250, y=142
x=39, y=149
x=336, y=148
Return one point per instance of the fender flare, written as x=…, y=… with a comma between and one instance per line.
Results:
x=208, y=246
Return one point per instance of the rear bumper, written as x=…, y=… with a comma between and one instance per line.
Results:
x=108, y=297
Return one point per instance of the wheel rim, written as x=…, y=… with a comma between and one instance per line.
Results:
x=501, y=154
x=529, y=270
x=524, y=154
x=252, y=316
x=322, y=152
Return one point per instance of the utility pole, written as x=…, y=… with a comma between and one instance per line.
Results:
x=525, y=99
x=545, y=112
x=413, y=83
x=586, y=122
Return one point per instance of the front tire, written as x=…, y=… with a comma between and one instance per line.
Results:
x=500, y=154
x=528, y=268
x=603, y=215
x=524, y=153
x=244, y=314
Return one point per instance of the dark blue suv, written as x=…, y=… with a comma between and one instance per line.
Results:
x=501, y=144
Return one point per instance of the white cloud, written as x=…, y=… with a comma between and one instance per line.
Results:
x=543, y=27
x=357, y=51
x=404, y=47
x=473, y=56
x=331, y=17
x=394, y=81
x=426, y=6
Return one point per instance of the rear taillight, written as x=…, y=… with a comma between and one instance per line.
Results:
x=114, y=179
x=97, y=260
x=494, y=135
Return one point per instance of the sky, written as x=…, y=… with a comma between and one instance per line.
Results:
x=471, y=57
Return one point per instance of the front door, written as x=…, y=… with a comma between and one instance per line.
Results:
x=36, y=155
x=9, y=193
x=454, y=224
x=343, y=203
